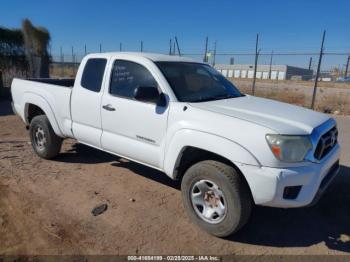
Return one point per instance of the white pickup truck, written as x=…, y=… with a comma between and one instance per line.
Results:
x=229, y=150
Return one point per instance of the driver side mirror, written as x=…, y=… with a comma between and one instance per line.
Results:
x=149, y=94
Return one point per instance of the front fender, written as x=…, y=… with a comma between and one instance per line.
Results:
x=36, y=99
x=224, y=147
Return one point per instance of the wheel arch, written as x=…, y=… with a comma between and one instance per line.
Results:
x=36, y=105
x=190, y=146
x=183, y=163
x=190, y=155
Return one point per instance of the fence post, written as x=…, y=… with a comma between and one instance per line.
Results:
x=318, y=72
x=214, y=55
x=73, y=55
x=178, y=47
x=347, y=67
x=73, y=60
x=255, y=63
x=270, y=69
x=232, y=60
x=62, y=62
x=310, y=62
x=170, y=46
x=205, y=58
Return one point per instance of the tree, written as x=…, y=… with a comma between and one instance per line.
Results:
x=13, y=62
x=36, y=42
x=1, y=85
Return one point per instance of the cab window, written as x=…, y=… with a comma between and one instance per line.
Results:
x=93, y=74
x=127, y=76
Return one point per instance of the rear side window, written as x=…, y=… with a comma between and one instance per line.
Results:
x=126, y=76
x=93, y=74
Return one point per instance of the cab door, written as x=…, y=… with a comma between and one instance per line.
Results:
x=86, y=102
x=131, y=128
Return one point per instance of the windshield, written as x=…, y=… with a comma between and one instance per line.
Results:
x=195, y=82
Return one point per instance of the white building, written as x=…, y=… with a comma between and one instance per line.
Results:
x=276, y=72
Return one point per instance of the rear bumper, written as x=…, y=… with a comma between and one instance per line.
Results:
x=268, y=185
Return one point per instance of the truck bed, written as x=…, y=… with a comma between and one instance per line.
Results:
x=66, y=82
x=51, y=95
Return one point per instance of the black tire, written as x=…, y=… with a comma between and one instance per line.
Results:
x=53, y=143
x=237, y=196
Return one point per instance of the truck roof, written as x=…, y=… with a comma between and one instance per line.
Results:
x=152, y=56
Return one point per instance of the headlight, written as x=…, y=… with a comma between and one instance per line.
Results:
x=289, y=148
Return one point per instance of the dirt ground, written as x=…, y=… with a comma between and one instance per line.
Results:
x=45, y=207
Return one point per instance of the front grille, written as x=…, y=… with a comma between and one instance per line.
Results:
x=326, y=143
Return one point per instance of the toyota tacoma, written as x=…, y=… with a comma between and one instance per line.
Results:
x=230, y=150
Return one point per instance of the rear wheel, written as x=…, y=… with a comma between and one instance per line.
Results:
x=45, y=142
x=216, y=197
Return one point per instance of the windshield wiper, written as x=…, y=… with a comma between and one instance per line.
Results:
x=206, y=99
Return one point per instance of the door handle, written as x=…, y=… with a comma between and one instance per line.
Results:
x=108, y=107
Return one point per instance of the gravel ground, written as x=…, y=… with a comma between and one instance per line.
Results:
x=45, y=207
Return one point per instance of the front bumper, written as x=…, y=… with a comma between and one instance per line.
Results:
x=268, y=184
x=13, y=108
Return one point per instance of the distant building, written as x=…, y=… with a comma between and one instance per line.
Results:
x=277, y=72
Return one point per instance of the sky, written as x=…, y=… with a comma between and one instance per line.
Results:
x=282, y=25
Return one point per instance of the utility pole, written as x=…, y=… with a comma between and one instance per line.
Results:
x=318, y=72
x=270, y=69
x=310, y=62
x=214, y=55
x=256, y=62
x=120, y=47
x=170, y=47
x=205, y=58
x=347, y=67
x=178, y=47
x=100, y=48
x=141, y=46
x=85, y=49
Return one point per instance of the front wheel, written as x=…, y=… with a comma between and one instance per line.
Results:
x=45, y=142
x=216, y=197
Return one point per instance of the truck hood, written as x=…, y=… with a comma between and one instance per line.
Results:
x=281, y=117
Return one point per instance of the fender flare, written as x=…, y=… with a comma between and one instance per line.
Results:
x=222, y=146
x=40, y=101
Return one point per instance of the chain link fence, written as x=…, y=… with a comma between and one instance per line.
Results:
x=290, y=77
x=284, y=76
